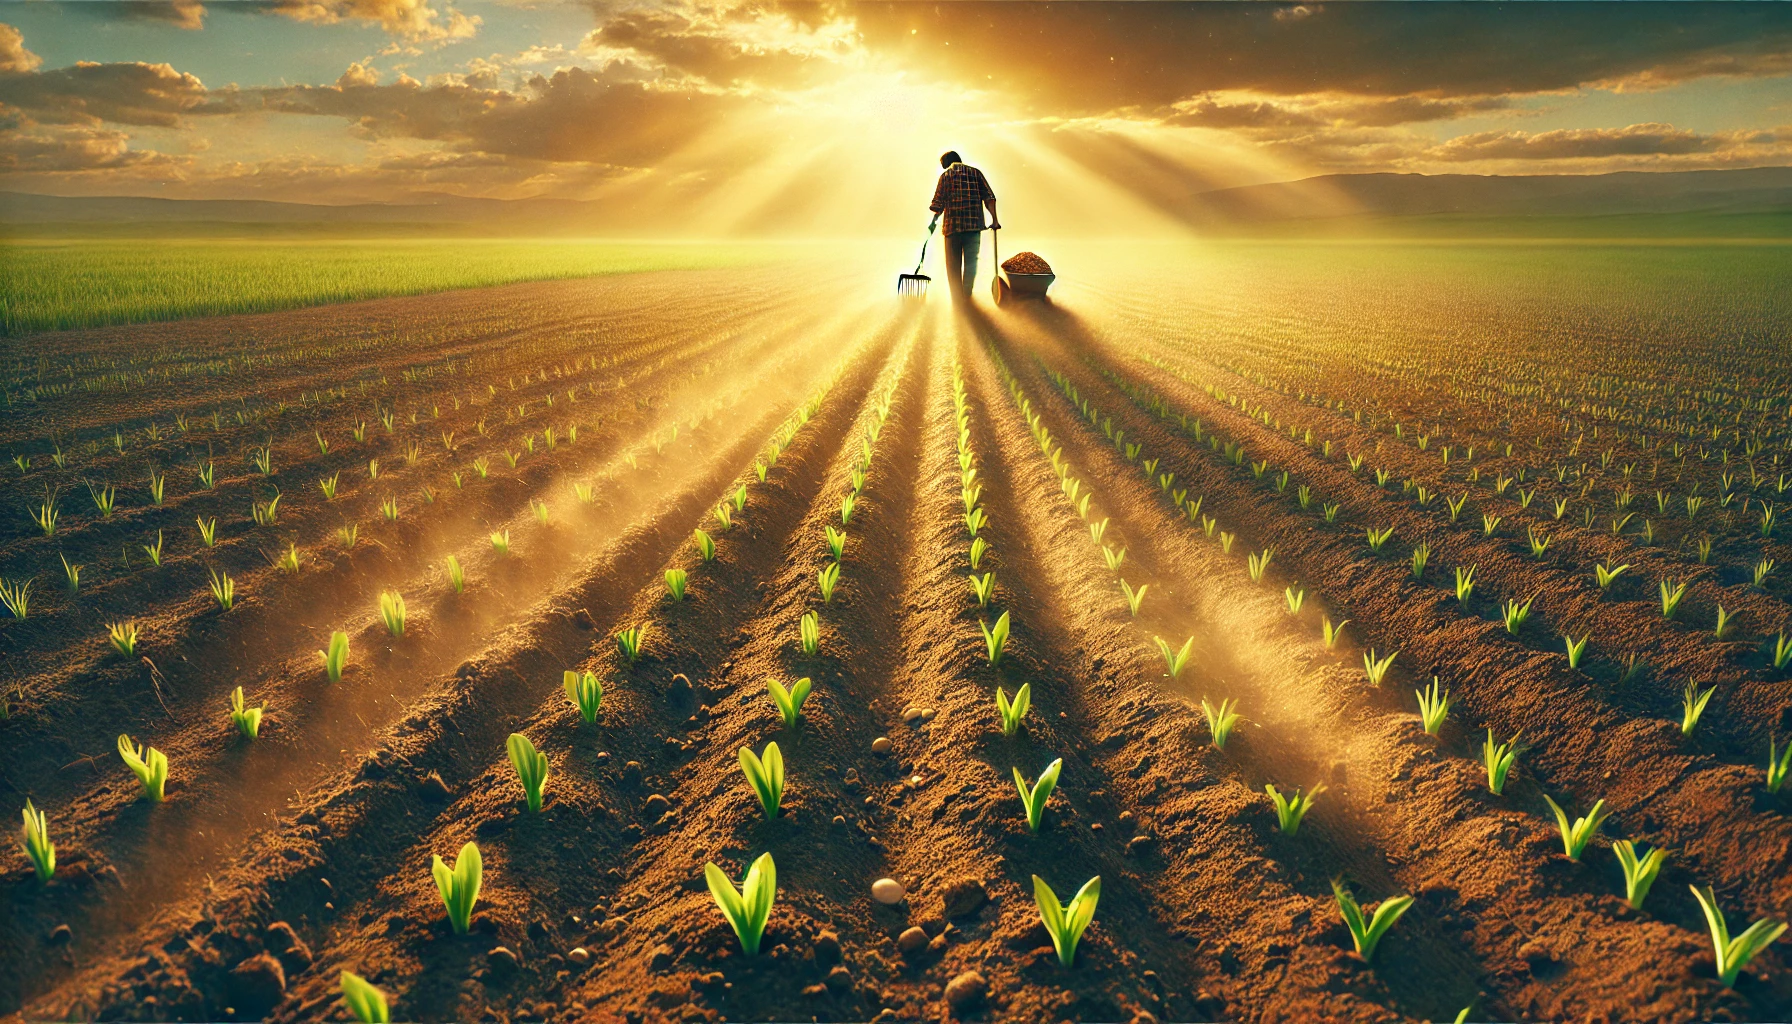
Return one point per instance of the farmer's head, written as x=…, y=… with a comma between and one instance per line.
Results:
x=949, y=157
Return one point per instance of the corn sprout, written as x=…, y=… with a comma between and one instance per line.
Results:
x=335, y=657
x=994, y=640
x=748, y=908
x=1367, y=933
x=585, y=693
x=765, y=775
x=1499, y=759
x=392, y=611
x=365, y=1002
x=1639, y=872
x=1434, y=706
x=1692, y=704
x=531, y=768
x=1066, y=922
x=1175, y=660
x=789, y=702
x=809, y=633
x=630, y=641
x=148, y=764
x=1377, y=668
x=38, y=848
x=1332, y=633
x=675, y=581
x=246, y=719
x=1034, y=797
x=1576, y=836
x=1013, y=711
x=1291, y=810
x=459, y=885
x=1733, y=954
x=1220, y=719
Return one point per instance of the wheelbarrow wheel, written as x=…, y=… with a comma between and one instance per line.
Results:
x=999, y=291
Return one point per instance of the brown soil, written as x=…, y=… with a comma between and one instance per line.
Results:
x=277, y=864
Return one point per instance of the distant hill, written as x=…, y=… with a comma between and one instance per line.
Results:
x=1627, y=194
x=1752, y=202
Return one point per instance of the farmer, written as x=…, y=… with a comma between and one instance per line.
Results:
x=961, y=193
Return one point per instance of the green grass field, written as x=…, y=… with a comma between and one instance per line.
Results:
x=66, y=284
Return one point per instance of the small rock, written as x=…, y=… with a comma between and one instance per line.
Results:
x=966, y=990
x=964, y=897
x=631, y=773
x=882, y=745
x=579, y=955
x=888, y=891
x=656, y=805
x=911, y=940
x=839, y=979
x=257, y=985
x=911, y=715
x=661, y=959
x=927, y=714
x=827, y=947
x=62, y=933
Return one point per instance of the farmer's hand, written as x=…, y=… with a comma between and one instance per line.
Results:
x=995, y=225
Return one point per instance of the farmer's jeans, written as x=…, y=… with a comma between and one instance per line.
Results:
x=961, y=262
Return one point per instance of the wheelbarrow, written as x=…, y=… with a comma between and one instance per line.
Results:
x=1008, y=286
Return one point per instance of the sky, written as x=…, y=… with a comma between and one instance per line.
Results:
x=745, y=115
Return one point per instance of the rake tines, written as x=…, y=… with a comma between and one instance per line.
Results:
x=912, y=284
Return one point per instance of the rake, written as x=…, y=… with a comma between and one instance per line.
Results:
x=916, y=283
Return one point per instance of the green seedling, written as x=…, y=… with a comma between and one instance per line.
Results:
x=459, y=885
x=748, y=908
x=1576, y=836
x=328, y=486
x=389, y=509
x=1175, y=660
x=1257, y=564
x=740, y=497
x=1576, y=648
x=531, y=768
x=765, y=775
x=1367, y=934
x=155, y=551
x=1499, y=759
x=847, y=504
x=246, y=719
x=501, y=542
x=1723, y=623
x=70, y=572
x=1295, y=597
x=1604, y=575
x=1671, y=595
x=1034, y=797
x=585, y=693
x=1332, y=634
x=392, y=611
x=1066, y=922
x=975, y=520
x=826, y=580
x=457, y=576
x=540, y=508
x=38, y=848
x=1692, y=705
x=1220, y=720
x=1733, y=954
x=978, y=548
x=1465, y=583
x=1490, y=524
x=1514, y=614
x=1290, y=810
x=789, y=702
x=1639, y=873
x=1539, y=541
x=809, y=633
x=1778, y=765
x=1421, y=555
x=1377, y=668
x=123, y=636
x=630, y=641
x=982, y=587
x=1114, y=559
x=1013, y=711
x=994, y=640
x=1434, y=706
x=364, y=1001
x=1134, y=597
x=675, y=582
x=706, y=545
x=148, y=764
x=347, y=534
x=208, y=531
x=836, y=542
x=724, y=517
x=1377, y=538
x=17, y=597
x=335, y=657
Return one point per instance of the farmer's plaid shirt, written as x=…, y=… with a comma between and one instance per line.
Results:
x=960, y=195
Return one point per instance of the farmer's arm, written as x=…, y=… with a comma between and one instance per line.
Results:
x=939, y=196
x=989, y=200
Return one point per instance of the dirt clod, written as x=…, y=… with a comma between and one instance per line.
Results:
x=912, y=940
x=963, y=897
x=61, y=933
x=827, y=947
x=661, y=959
x=1026, y=263
x=966, y=991
x=257, y=985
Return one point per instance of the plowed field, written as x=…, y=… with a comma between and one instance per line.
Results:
x=1336, y=474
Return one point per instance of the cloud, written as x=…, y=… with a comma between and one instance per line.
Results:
x=88, y=93
x=14, y=58
x=185, y=14
x=575, y=115
x=72, y=149
x=358, y=73
x=1651, y=139
x=728, y=43
x=1074, y=60
x=1255, y=112
x=409, y=19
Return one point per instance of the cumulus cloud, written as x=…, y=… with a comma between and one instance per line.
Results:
x=408, y=19
x=185, y=14
x=728, y=43
x=358, y=73
x=123, y=93
x=72, y=149
x=1257, y=112
x=14, y=58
